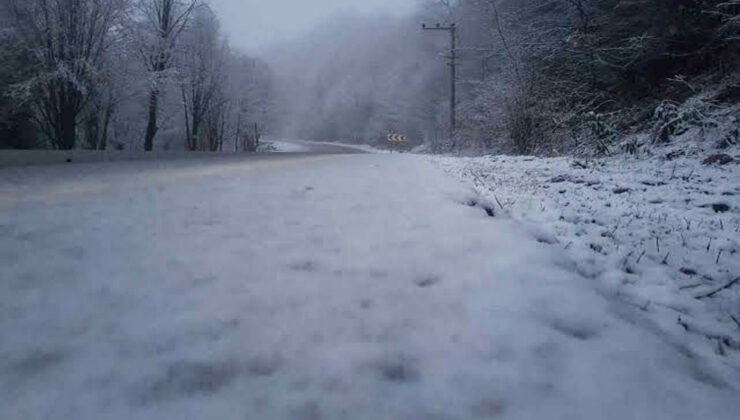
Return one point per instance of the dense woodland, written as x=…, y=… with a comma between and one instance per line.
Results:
x=126, y=74
x=558, y=75
x=534, y=76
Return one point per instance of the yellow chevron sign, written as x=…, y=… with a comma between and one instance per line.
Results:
x=396, y=138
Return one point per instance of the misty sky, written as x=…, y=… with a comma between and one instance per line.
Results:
x=253, y=24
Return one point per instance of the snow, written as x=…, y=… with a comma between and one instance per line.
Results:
x=367, y=148
x=282, y=146
x=359, y=286
x=644, y=228
x=307, y=146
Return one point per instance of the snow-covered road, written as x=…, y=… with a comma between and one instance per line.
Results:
x=317, y=287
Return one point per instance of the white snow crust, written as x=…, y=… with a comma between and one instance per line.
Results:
x=338, y=287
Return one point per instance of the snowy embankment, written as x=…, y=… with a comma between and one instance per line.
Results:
x=661, y=233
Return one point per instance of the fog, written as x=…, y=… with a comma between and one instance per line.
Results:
x=345, y=71
x=527, y=78
x=527, y=207
x=349, y=81
x=254, y=25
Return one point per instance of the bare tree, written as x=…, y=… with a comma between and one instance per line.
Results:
x=162, y=23
x=449, y=7
x=729, y=11
x=203, y=61
x=67, y=39
x=250, y=97
x=113, y=88
x=17, y=130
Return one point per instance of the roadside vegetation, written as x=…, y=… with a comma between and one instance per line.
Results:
x=126, y=74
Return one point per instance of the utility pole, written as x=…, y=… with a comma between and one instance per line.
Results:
x=453, y=63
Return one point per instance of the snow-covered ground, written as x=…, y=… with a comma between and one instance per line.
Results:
x=306, y=146
x=660, y=233
x=360, y=147
x=282, y=146
x=322, y=287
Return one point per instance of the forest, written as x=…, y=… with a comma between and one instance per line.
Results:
x=119, y=74
x=547, y=77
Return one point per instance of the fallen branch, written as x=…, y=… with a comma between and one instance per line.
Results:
x=726, y=286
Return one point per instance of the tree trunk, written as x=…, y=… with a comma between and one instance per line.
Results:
x=67, y=135
x=92, y=131
x=103, y=145
x=195, y=133
x=238, y=133
x=257, y=137
x=151, y=127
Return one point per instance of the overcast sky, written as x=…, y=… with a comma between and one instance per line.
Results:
x=253, y=24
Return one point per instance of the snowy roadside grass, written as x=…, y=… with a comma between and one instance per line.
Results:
x=661, y=233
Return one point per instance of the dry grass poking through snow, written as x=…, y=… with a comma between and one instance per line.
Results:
x=660, y=232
